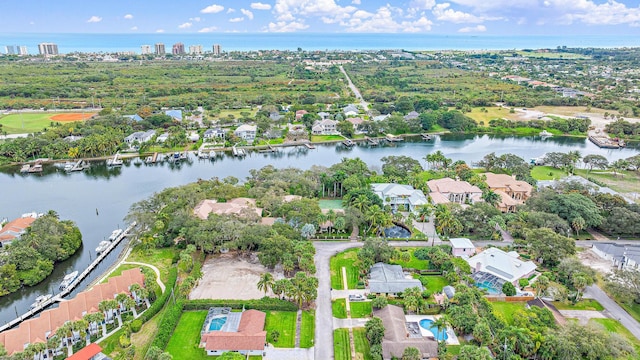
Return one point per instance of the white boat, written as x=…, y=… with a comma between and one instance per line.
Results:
x=545, y=133
x=40, y=299
x=115, y=161
x=114, y=234
x=102, y=246
x=68, y=279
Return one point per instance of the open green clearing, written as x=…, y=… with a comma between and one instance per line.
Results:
x=433, y=283
x=285, y=323
x=346, y=259
x=307, y=329
x=324, y=138
x=26, y=123
x=633, y=309
x=341, y=347
x=414, y=263
x=486, y=114
x=361, y=344
x=615, y=326
x=586, y=304
x=185, y=341
x=360, y=309
x=622, y=182
x=506, y=309
x=161, y=258
x=339, y=308
x=547, y=173
x=330, y=204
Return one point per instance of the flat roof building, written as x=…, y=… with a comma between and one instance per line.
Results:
x=160, y=50
x=177, y=49
x=48, y=49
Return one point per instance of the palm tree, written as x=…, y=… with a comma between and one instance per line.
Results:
x=121, y=299
x=80, y=327
x=140, y=293
x=425, y=211
x=108, y=307
x=266, y=282
x=441, y=323
x=361, y=202
x=279, y=287
x=94, y=320
x=53, y=343
x=64, y=332
x=340, y=223
x=377, y=218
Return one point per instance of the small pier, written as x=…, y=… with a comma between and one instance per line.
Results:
x=426, y=137
x=238, y=152
x=605, y=142
x=269, y=149
x=152, y=159
x=309, y=146
x=393, y=138
x=371, y=141
x=115, y=161
x=59, y=297
x=80, y=165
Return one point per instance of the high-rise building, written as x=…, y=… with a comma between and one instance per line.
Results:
x=48, y=49
x=195, y=49
x=10, y=50
x=177, y=49
x=217, y=49
x=146, y=49
x=22, y=50
x=160, y=49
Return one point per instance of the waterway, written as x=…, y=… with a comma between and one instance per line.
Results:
x=98, y=199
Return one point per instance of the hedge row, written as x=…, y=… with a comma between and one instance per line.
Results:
x=160, y=301
x=265, y=304
x=167, y=325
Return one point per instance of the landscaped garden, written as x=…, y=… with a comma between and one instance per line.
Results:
x=413, y=263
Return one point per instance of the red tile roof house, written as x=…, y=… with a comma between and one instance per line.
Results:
x=249, y=337
x=39, y=329
x=13, y=229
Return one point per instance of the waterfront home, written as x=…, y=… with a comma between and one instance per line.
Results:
x=324, y=115
x=242, y=332
x=237, y=206
x=246, y=132
x=448, y=190
x=356, y=122
x=390, y=279
x=493, y=267
x=512, y=192
x=397, y=337
x=325, y=127
x=216, y=133
x=399, y=197
x=140, y=137
x=622, y=256
x=162, y=137
x=176, y=115
x=462, y=247
x=15, y=228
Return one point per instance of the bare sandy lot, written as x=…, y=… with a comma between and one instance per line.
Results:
x=227, y=276
x=590, y=259
x=595, y=115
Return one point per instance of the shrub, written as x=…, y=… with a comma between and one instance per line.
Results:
x=275, y=335
x=523, y=283
x=136, y=325
x=160, y=301
x=266, y=303
x=508, y=289
x=167, y=325
x=124, y=341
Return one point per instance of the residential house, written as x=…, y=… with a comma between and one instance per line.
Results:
x=246, y=132
x=193, y=136
x=325, y=127
x=275, y=116
x=162, y=137
x=242, y=332
x=449, y=190
x=398, y=337
x=356, y=122
x=176, y=115
x=15, y=228
x=462, y=247
x=381, y=117
x=493, y=267
x=213, y=134
x=411, y=116
x=300, y=114
x=399, y=196
x=350, y=110
x=622, y=256
x=92, y=351
x=390, y=279
x=512, y=192
x=324, y=115
x=39, y=329
x=134, y=117
x=140, y=137
x=237, y=206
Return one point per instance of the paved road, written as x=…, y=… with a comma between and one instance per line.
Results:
x=356, y=92
x=613, y=310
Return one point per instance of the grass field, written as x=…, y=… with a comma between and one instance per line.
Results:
x=547, y=173
x=586, y=304
x=323, y=138
x=506, y=309
x=361, y=309
x=490, y=113
x=161, y=258
x=414, y=263
x=361, y=344
x=185, y=341
x=615, y=326
x=341, y=345
x=434, y=283
x=32, y=122
x=346, y=259
x=339, y=308
x=307, y=329
x=285, y=323
x=623, y=182
x=330, y=204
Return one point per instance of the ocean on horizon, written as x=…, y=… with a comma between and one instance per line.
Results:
x=311, y=41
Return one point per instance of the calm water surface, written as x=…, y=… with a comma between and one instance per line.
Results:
x=77, y=196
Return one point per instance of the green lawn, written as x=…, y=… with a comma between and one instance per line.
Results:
x=307, y=330
x=361, y=309
x=414, y=262
x=118, y=271
x=27, y=123
x=434, y=283
x=112, y=344
x=633, y=309
x=341, y=347
x=615, y=326
x=547, y=173
x=586, y=304
x=339, y=308
x=506, y=309
x=346, y=259
x=489, y=114
x=323, y=138
x=185, y=341
x=285, y=323
x=361, y=343
x=624, y=182
x=330, y=204
x=161, y=258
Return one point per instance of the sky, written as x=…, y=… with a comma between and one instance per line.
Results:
x=491, y=17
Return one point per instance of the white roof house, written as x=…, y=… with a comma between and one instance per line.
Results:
x=400, y=195
x=246, y=132
x=462, y=247
x=502, y=266
x=140, y=136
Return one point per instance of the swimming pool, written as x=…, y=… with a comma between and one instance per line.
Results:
x=217, y=323
x=427, y=324
x=491, y=290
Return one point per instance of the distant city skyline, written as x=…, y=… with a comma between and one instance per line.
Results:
x=491, y=17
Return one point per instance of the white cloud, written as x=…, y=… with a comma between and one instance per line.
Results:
x=588, y=12
x=288, y=10
x=195, y=19
x=230, y=10
x=185, y=25
x=355, y=2
x=443, y=12
x=237, y=19
x=382, y=21
x=160, y=30
x=260, y=6
x=94, y=19
x=208, y=29
x=134, y=28
x=247, y=13
x=128, y=16
x=212, y=9
x=468, y=29
x=283, y=26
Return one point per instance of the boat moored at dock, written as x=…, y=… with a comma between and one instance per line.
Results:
x=102, y=246
x=68, y=279
x=40, y=299
x=115, y=160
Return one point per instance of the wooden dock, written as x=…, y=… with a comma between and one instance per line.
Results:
x=238, y=152
x=309, y=146
x=269, y=149
x=426, y=137
x=371, y=141
x=80, y=165
x=59, y=297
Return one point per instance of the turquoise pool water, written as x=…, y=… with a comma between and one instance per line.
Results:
x=217, y=323
x=489, y=287
x=427, y=324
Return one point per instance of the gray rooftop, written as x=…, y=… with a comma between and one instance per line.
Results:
x=390, y=279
